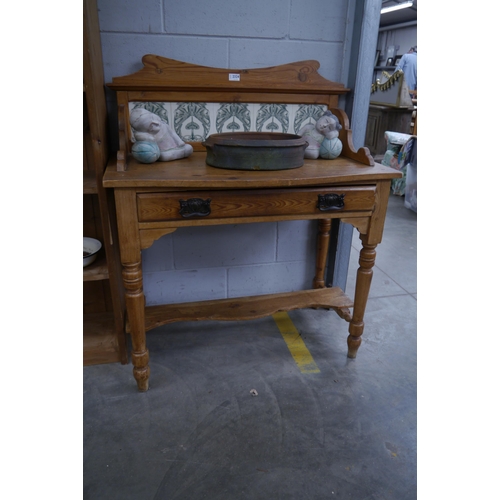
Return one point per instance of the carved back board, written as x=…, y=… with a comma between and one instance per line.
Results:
x=197, y=101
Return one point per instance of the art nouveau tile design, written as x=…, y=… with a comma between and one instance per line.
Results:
x=195, y=121
x=232, y=117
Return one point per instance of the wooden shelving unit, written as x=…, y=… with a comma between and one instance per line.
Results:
x=104, y=304
x=89, y=181
x=99, y=345
x=98, y=270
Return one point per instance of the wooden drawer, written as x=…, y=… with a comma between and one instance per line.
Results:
x=154, y=207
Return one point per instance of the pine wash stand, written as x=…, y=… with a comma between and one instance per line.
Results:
x=149, y=197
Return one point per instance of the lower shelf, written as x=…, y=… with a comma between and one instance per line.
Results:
x=248, y=307
x=100, y=344
x=96, y=271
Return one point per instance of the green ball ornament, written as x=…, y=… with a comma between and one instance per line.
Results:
x=330, y=148
x=145, y=151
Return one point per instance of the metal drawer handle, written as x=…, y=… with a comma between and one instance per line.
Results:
x=330, y=201
x=195, y=207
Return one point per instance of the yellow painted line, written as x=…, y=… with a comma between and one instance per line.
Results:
x=295, y=344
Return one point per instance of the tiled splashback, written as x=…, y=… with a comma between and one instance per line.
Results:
x=195, y=121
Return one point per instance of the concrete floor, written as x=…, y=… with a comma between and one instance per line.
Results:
x=346, y=431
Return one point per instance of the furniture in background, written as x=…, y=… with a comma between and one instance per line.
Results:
x=391, y=108
x=411, y=183
x=401, y=155
x=413, y=125
x=104, y=338
x=382, y=118
x=155, y=199
x=380, y=70
x=392, y=92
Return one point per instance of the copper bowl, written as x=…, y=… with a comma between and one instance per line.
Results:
x=255, y=150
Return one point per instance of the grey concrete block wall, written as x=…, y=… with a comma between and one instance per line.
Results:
x=221, y=33
x=232, y=260
x=229, y=261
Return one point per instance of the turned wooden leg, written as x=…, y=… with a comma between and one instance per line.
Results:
x=134, y=297
x=322, y=252
x=363, y=281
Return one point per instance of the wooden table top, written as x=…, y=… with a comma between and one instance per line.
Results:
x=194, y=173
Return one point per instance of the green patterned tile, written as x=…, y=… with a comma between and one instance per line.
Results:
x=272, y=118
x=192, y=121
x=233, y=117
x=307, y=113
x=195, y=121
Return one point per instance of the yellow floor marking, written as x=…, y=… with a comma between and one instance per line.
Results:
x=295, y=344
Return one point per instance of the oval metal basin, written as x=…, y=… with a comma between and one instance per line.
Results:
x=255, y=150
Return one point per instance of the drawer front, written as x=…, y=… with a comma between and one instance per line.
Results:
x=154, y=207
